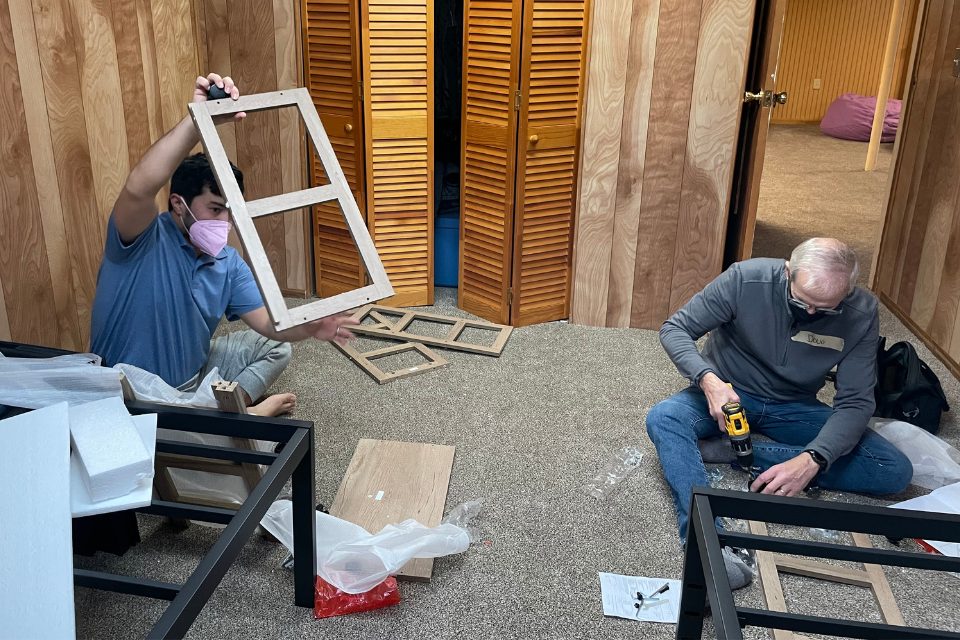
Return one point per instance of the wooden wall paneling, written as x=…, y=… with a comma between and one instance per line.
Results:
x=946, y=314
x=718, y=88
x=26, y=274
x=83, y=220
x=44, y=171
x=253, y=58
x=673, y=77
x=153, y=115
x=491, y=53
x=177, y=61
x=600, y=159
x=921, y=204
x=293, y=146
x=636, y=122
x=397, y=38
x=99, y=70
x=130, y=68
x=914, y=135
x=4, y=319
x=551, y=85
x=332, y=60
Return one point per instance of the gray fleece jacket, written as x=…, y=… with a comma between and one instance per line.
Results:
x=756, y=345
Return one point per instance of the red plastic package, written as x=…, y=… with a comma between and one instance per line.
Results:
x=329, y=601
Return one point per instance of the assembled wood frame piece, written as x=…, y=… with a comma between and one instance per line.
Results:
x=396, y=330
x=770, y=565
x=364, y=360
x=243, y=212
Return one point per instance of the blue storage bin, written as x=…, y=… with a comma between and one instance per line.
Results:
x=446, y=249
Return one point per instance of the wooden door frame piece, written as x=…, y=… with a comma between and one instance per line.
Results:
x=396, y=330
x=365, y=360
x=770, y=565
x=243, y=212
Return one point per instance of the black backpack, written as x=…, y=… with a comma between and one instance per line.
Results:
x=906, y=388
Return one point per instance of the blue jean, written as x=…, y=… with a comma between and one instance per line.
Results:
x=674, y=425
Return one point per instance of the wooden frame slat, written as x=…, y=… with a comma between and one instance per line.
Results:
x=244, y=212
x=364, y=360
x=397, y=330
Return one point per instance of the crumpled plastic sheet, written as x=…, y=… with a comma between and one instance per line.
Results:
x=621, y=464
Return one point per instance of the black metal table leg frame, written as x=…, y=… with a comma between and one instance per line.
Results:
x=304, y=524
x=184, y=609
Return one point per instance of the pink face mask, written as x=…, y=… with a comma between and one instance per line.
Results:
x=209, y=236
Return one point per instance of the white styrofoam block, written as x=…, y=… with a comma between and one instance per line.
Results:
x=80, y=501
x=36, y=542
x=113, y=459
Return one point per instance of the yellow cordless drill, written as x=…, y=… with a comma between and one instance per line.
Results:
x=738, y=429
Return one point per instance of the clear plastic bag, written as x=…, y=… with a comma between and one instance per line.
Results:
x=354, y=561
x=149, y=387
x=621, y=465
x=462, y=515
x=935, y=463
x=34, y=383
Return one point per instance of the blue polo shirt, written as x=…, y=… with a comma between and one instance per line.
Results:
x=158, y=303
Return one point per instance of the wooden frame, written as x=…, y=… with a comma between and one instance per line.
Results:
x=770, y=565
x=385, y=328
x=243, y=212
x=365, y=360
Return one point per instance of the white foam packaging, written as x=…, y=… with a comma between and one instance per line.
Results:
x=114, y=460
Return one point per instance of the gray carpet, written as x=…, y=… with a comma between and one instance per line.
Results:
x=815, y=185
x=531, y=428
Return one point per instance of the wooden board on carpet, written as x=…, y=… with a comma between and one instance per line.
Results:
x=388, y=482
x=365, y=360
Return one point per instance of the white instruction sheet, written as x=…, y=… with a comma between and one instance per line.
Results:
x=619, y=595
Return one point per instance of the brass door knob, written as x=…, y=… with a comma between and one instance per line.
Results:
x=780, y=98
x=534, y=139
x=348, y=127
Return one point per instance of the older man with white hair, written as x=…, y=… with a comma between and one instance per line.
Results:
x=777, y=328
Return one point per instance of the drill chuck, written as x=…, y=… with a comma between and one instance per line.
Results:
x=739, y=431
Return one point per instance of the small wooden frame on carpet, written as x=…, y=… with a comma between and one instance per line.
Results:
x=388, y=482
x=770, y=565
x=366, y=359
x=243, y=212
x=385, y=327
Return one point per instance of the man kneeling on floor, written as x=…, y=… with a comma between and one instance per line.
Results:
x=167, y=279
x=776, y=330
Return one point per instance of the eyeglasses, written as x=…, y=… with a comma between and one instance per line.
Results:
x=800, y=304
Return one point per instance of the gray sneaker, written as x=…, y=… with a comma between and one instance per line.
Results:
x=739, y=573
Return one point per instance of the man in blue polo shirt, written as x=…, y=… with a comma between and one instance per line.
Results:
x=167, y=279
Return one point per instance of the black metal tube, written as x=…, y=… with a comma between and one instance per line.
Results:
x=834, y=627
x=189, y=512
x=719, y=592
x=304, y=526
x=125, y=584
x=215, y=452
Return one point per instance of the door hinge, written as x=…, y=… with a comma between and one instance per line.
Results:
x=360, y=88
x=510, y=297
x=517, y=98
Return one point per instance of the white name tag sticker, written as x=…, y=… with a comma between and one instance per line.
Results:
x=817, y=340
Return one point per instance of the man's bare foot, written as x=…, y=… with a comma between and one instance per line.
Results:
x=274, y=405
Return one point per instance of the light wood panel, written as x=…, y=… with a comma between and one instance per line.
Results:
x=388, y=482
x=88, y=86
x=918, y=269
x=397, y=46
x=670, y=180
x=840, y=42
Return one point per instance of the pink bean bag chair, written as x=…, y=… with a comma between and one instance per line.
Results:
x=850, y=117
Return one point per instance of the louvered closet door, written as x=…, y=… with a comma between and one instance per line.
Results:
x=333, y=78
x=547, y=149
x=491, y=52
x=398, y=85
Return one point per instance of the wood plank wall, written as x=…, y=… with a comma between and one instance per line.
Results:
x=664, y=89
x=918, y=266
x=88, y=85
x=840, y=42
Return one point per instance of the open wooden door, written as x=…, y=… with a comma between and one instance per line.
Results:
x=491, y=55
x=332, y=55
x=760, y=99
x=398, y=106
x=551, y=95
